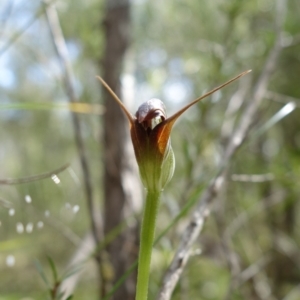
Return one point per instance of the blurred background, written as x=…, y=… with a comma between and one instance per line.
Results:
x=53, y=112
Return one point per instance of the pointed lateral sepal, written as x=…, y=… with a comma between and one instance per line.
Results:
x=129, y=116
x=150, y=133
x=173, y=118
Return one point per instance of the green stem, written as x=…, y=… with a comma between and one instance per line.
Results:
x=146, y=243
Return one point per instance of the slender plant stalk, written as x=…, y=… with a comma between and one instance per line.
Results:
x=146, y=243
x=150, y=133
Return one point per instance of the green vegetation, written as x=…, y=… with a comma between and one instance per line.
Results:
x=249, y=247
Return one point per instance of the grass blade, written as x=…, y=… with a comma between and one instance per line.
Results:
x=53, y=269
x=39, y=268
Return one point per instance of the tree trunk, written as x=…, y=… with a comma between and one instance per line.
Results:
x=122, y=189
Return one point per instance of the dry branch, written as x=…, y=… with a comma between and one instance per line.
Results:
x=63, y=55
x=198, y=217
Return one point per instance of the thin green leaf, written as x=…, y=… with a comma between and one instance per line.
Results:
x=53, y=269
x=121, y=280
x=182, y=213
x=70, y=297
x=72, y=271
x=39, y=268
x=60, y=295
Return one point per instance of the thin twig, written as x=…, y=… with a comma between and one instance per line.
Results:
x=233, y=107
x=19, y=33
x=61, y=228
x=257, y=209
x=5, y=203
x=7, y=12
x=198, y=218
x=12, y=181
x=282, y=98
x=62, y=51
x=295, y=41
x=293, y=293
x=254, y=178
x=251, y=271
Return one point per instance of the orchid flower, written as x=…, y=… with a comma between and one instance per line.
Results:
x=150, y=130
x=150, y=133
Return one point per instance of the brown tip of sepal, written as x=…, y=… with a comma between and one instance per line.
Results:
x=117, y=99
